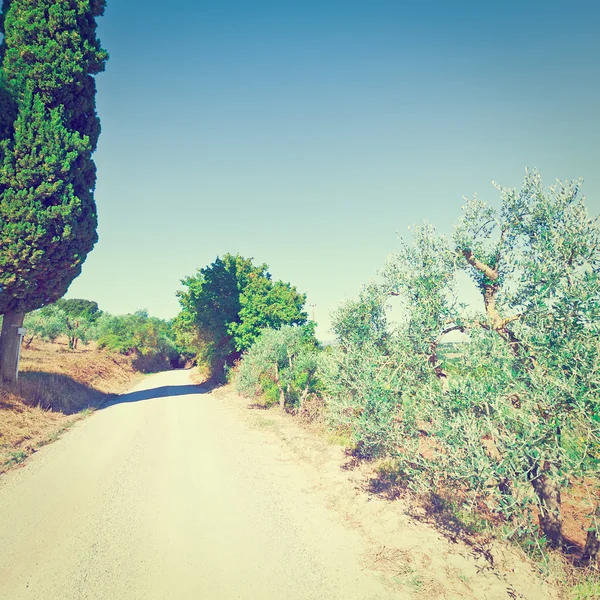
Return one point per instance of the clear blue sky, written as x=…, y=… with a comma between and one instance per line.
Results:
x=309, y=134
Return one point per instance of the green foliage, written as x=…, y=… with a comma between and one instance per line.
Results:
x=80, y=308
x=47, y=323
x=52, y=45
x=544, y=381
x=80, y=321
x=263, y=304
x=136, y=333
x=8, y=114
x=41, y=218
x=280, y=366
x=365, y=377
x=75, y=319
x=47, y=215
x=515, y=416
x=587, y=590
x=227, y=304
x=422, y=274
x=363, y=321
x=210, y=304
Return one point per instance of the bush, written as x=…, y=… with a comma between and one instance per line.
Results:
x=280, y=367
x=138, y=333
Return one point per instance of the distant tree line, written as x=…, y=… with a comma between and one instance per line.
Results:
x=81, y=322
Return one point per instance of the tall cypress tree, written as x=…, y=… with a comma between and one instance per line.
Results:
x=50, y=54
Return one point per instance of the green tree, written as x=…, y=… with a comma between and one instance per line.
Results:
x=48, y=216
x=515, y=417
x=211, y=305
x=370, y=378
x=40, y=217
x=281, y=363
x=74, y=318
x=225, y=307
x=536, y=262
x=140, y=335
x=81, y=317
x=265, y=303
x=47, y=323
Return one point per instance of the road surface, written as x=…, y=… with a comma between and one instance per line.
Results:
x=167, y=494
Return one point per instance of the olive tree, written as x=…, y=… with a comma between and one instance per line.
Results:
x=536, y=261
x=515, y=417
x=370, y=376
x=282, y=360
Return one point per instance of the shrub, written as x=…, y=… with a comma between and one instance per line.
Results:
x=280, y=366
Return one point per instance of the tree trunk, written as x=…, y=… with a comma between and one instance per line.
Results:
x=548, y=493
x=10, y=345
x=305, y=391
x=592, y=544
x=281, y=392
x=281, y=398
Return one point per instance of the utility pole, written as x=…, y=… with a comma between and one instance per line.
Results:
x=313, y=306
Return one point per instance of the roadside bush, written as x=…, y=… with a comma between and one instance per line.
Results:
x=364, y=377
x=280, y=367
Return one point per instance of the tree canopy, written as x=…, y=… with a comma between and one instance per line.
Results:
x=227, y=304
x=514, y=416
x=48, y=131
x=48, y=217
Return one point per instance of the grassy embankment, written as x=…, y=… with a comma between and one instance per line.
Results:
x=56, y=388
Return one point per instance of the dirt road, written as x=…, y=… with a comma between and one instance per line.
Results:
x=166, y=494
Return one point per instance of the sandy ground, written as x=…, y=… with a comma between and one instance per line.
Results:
x=173, y=492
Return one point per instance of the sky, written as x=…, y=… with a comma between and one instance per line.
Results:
x=311, y=135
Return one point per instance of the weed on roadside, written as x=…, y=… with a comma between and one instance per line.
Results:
x=587, y=590
x=15, y=458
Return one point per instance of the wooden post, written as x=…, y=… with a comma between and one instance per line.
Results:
x=10, y=345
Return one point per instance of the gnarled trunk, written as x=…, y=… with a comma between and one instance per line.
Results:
x=550, y=518
x=10, y=342
x=592, y=544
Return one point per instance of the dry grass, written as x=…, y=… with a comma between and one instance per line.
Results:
x=56, y=388
x=102, y=371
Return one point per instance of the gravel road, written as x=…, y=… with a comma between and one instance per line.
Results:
x=167, y=494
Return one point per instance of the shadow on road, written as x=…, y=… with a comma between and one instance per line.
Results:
x=165, y=391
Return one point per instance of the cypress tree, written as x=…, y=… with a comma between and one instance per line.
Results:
x=50, y=54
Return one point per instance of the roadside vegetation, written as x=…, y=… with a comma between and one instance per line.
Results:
x=224, y=308
x=501, y=428
x=150, y=341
